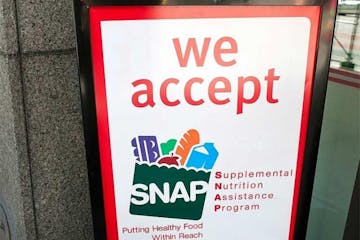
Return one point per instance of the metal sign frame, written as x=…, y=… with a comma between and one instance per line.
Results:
x=324, y=43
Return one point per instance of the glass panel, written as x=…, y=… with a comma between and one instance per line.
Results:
x=339, y=151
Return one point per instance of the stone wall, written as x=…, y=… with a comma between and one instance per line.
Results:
x=43, y=177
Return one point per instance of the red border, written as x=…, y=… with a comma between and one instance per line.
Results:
x=98, y=14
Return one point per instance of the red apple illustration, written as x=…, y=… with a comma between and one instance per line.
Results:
x=169, y=160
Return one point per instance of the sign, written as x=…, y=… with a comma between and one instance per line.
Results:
x=202, y=116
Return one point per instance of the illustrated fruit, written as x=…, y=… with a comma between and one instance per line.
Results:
x=169, y=160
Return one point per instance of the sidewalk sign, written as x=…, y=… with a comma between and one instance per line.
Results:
x=205, y=118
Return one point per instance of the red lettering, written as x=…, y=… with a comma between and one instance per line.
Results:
x=148, y=92
x=213, y=90
x=219, y=50
x=187, y=92
x=241, y=97
x=217, y=197
x=270, y=78
x=218, y=90
x=217, y=174
x=191, y=46
x=163, y=92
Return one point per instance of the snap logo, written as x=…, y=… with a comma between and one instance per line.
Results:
x=171, y=178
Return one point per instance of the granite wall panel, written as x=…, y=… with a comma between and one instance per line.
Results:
x=56, y=147
x=43, y=175
x=15, y=179
x=46, y=25
x=8, y=30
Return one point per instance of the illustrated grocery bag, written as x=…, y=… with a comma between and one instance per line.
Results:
x=171, y=180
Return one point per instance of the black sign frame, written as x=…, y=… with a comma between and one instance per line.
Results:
x=81, y=9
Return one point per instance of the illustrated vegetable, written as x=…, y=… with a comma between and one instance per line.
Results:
x=189, y=139
x=168, y=146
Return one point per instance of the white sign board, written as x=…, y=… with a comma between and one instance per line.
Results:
x=202, y=116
